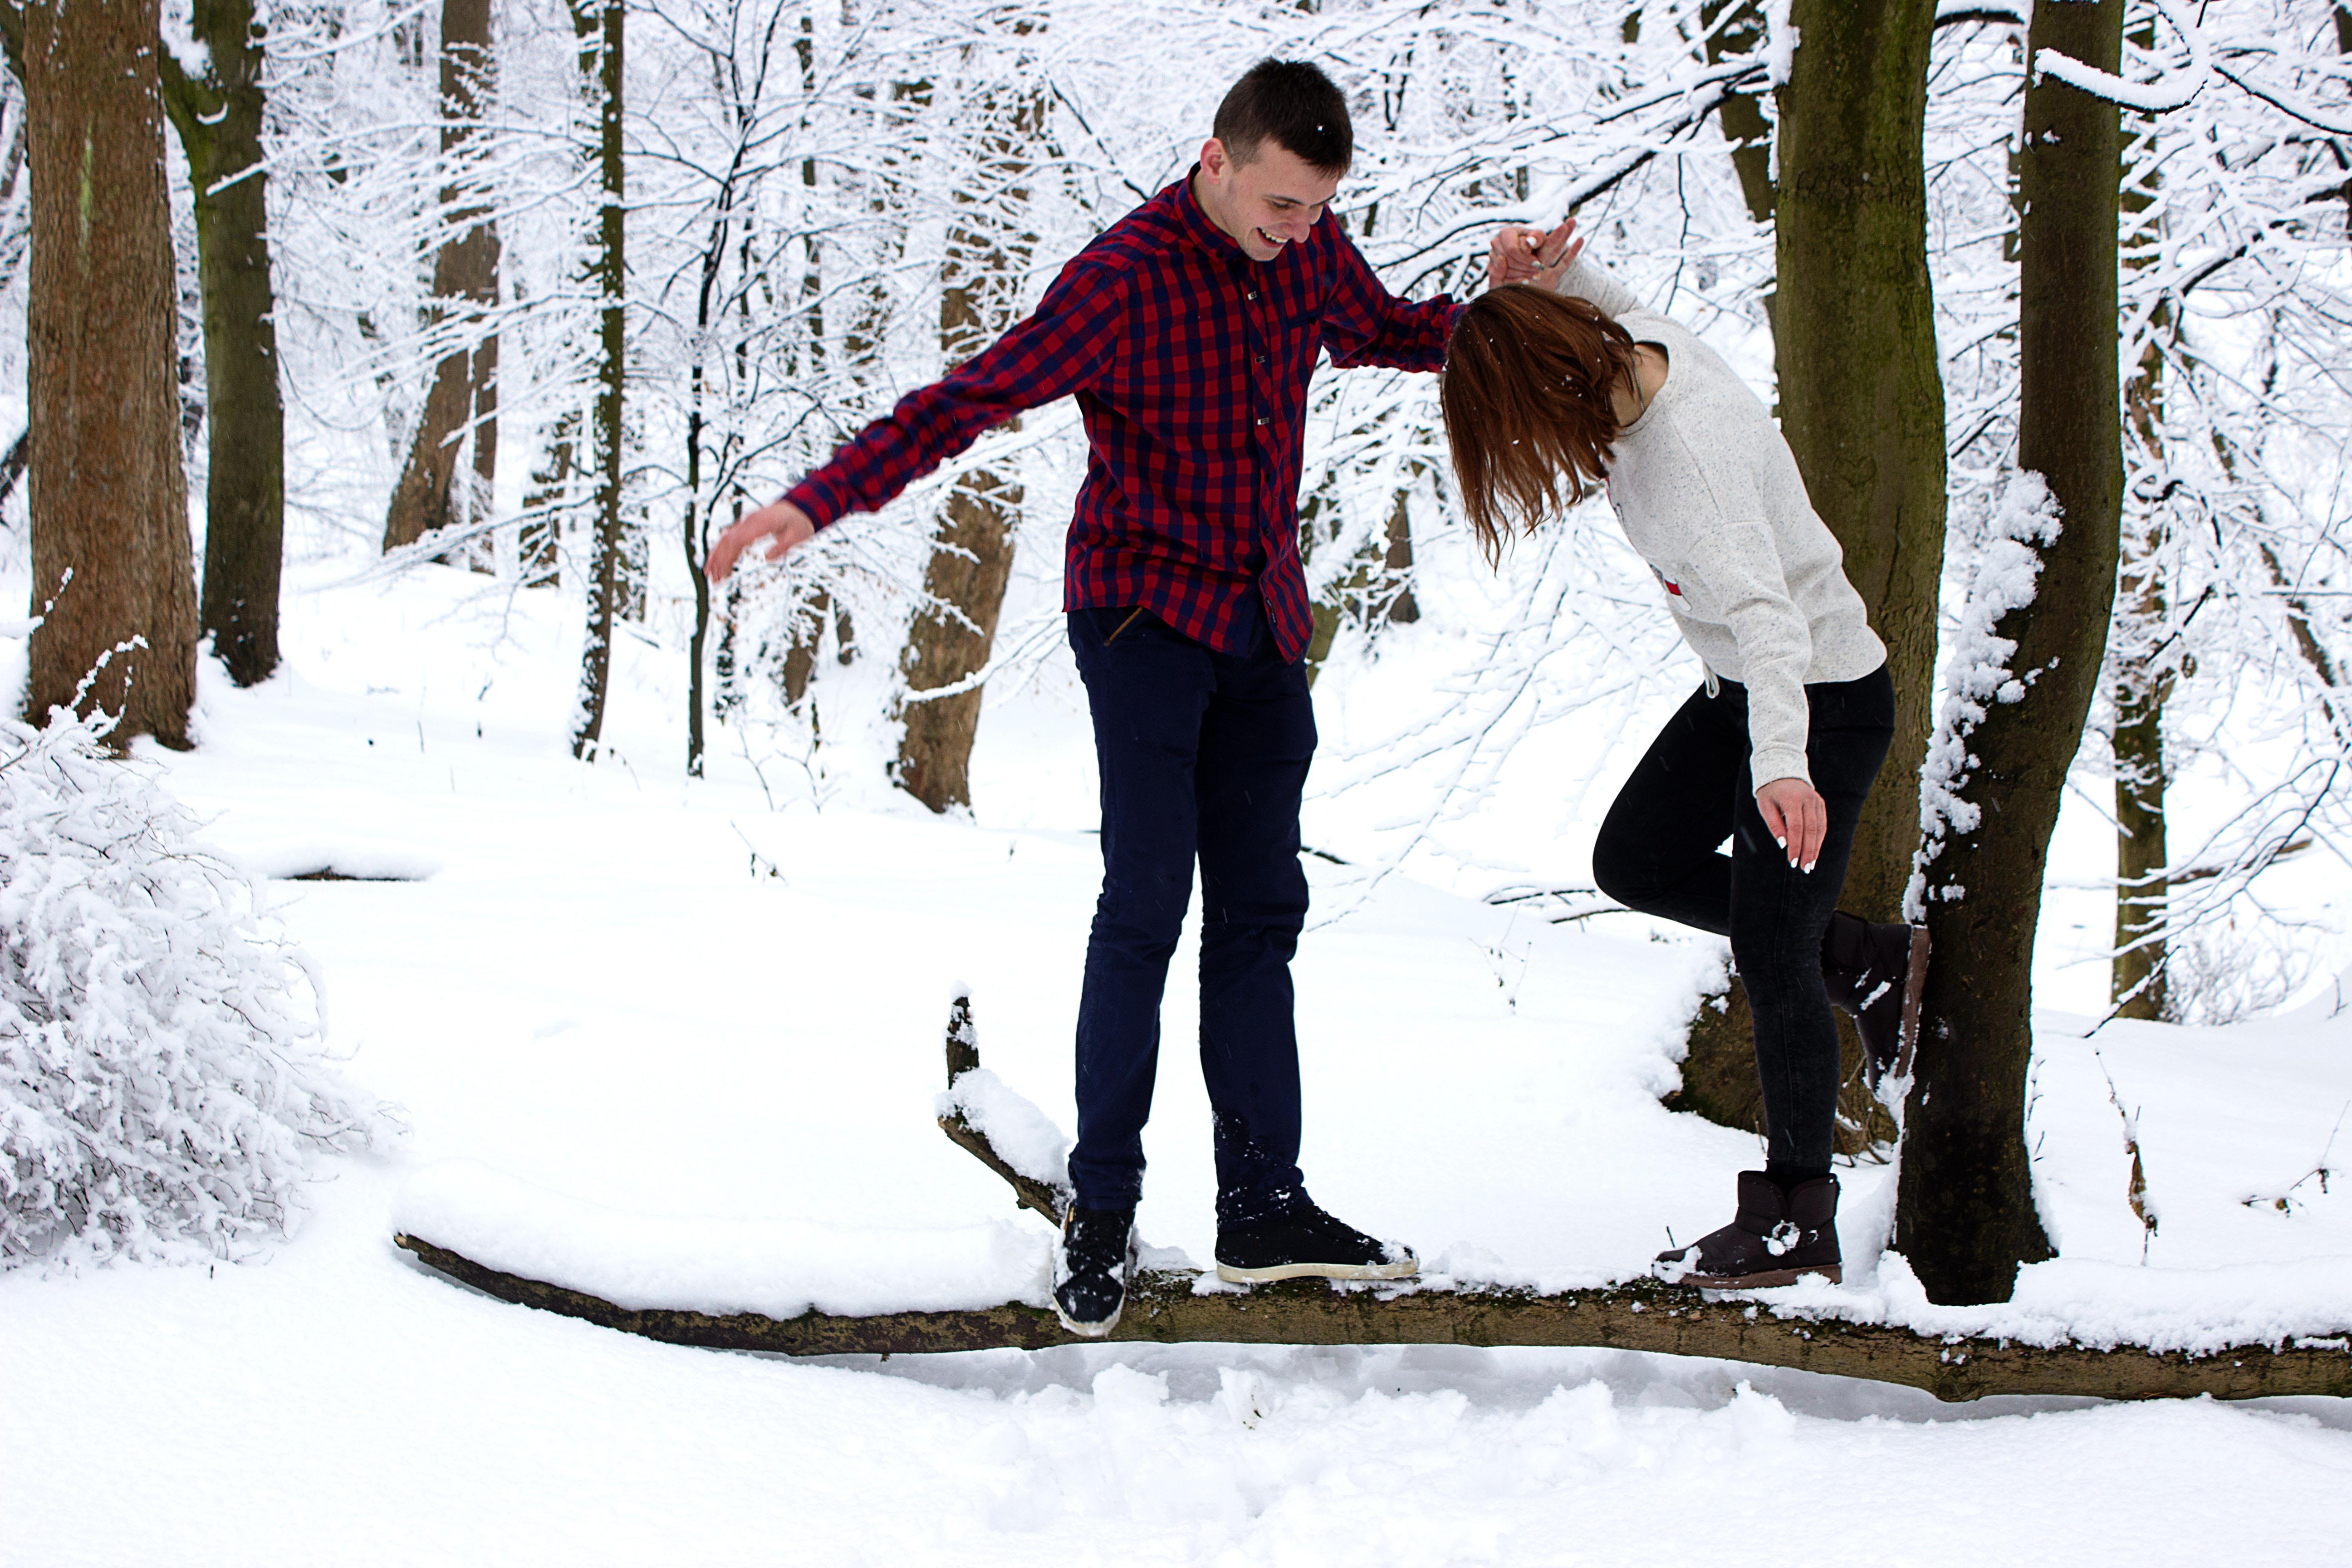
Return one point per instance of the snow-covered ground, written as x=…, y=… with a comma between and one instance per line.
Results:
x=713, y=1001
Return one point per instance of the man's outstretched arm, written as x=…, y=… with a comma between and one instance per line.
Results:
x=1061, y=348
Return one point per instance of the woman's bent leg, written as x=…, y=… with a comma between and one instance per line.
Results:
x=1656, y=852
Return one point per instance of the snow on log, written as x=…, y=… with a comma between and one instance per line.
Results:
x=1170, y=1308
x=999, y=1128
x=1182, y=1306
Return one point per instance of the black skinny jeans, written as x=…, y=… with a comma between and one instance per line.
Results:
x=1657, y=853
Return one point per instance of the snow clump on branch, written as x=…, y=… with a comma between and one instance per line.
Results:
x=163, y=1081
x=2025, y=524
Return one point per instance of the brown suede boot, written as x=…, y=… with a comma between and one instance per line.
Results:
x=1774, y=1240
x=1877, y=974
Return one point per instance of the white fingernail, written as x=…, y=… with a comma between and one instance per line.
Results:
x=1780, y=841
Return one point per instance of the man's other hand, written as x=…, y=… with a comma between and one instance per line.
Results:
x=784, y=525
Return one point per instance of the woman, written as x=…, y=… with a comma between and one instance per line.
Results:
x=1565, y=384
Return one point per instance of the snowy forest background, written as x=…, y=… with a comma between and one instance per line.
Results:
x=657, y=891
x=799, y=184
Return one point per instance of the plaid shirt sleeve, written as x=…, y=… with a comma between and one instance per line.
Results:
x=1062, y=347
x=1364, y=324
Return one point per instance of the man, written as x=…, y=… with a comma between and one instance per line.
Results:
x=1188, y=333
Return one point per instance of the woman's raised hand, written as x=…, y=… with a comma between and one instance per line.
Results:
x=1523, y=253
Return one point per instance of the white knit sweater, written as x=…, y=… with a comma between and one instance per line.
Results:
x=1708, y=491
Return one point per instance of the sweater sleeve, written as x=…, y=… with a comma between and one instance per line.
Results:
x=1588, y=279
x=1736, y=577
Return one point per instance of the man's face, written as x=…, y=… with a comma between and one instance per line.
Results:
x=1267, y=204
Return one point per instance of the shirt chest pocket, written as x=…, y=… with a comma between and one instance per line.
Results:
x=1293, y=342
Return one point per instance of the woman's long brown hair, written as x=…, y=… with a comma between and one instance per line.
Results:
x=1528, y=388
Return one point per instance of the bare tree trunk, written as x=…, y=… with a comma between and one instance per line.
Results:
x=463, y=395
x=1965, y=1216
x=218, y=118
x=1403, y=610
x=2136, y=978
x=540, y=539
x=1862, y=396
x=988, y=250
x=695, y=527
x=109, y=502
x=1862, y=405
x=599, y=25
x=1742, y=115
x=2143, y=673
x=2344, y=47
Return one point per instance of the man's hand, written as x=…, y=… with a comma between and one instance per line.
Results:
x=1522, y=253
x=1798, y=816
x=786, y=525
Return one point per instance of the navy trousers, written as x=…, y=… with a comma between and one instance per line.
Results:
x=1657, y=853
x=1204, y=755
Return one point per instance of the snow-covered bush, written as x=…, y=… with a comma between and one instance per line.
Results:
x=162, y=1085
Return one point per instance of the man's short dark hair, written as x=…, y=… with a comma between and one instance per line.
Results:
x=1297, y=106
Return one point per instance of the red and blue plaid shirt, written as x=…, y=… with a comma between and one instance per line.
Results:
x=1189, y=363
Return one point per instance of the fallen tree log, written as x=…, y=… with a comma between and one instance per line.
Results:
x=1164, y=1308
x=1178, y=1307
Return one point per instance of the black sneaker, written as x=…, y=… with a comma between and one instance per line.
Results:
x=1308, y=1242
x=1878, y=973
x=1776, y=1239
x=1092, y=1264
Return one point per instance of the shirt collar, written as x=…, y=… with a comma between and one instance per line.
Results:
x=1199, y=226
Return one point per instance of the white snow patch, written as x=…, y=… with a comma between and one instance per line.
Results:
x=1781, y=38
x=361, y=859
x=163, y=1084
x=778, y=1268
x=1024, y=1136
x=2025, y=523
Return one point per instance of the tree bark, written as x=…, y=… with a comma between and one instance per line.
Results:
x=1742, y=115
x=1965, y=1216
x=1404, y=609
x=599, y=26
x=1862, y=396
x=2143, y=673
x=462, y=396
x=1861, y=405
x=695, y=525
x=988, y=250
x=218, y=118
x=109, y=498
x=539, y=542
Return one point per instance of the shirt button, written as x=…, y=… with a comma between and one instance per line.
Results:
x=1252, y=293
x=1263, y=420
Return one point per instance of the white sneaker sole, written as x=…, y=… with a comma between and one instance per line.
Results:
x=1404, y=1269
x=1091, y=1330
